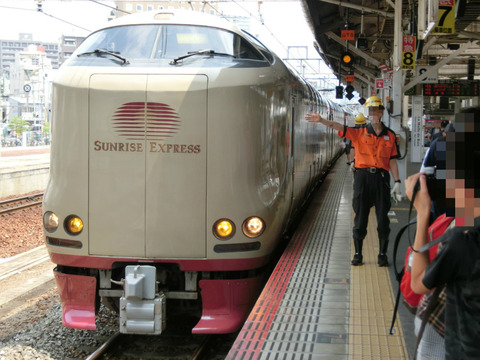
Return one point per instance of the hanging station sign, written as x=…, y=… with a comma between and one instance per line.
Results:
x=408, y=52
x=347, y=35
x=446, y=18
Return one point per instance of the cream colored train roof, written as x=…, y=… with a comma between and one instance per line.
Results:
x=173, y=17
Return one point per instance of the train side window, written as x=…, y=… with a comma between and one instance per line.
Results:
x=262, y=48
x=244, y=50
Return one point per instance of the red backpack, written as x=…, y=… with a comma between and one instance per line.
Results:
x=437, y=229
x=404, y=277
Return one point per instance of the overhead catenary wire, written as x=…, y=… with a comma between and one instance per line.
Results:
x=110, y=7
x=40, y=11
x=250, y=14
x=258, y=18
x=65, y=21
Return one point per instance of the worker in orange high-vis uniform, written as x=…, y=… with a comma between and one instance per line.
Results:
x=376, y=151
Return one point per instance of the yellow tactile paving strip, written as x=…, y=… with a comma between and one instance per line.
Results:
x=371, y=306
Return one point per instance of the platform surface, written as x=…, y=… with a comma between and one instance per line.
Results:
x=316, y=305
x=14, y=159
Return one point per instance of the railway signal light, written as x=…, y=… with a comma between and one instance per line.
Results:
x=339, y=92
x=347, y=59
x=349, y=90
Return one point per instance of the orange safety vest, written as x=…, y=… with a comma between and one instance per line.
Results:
x=372, y=150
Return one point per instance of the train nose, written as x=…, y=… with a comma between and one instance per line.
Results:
x=150, y=133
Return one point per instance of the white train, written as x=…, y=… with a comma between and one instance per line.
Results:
x=180, y=155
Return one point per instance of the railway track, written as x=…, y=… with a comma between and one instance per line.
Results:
x=11, y=205
x=120, y=346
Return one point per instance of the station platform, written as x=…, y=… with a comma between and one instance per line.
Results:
x=315, y=304
x=23, y=170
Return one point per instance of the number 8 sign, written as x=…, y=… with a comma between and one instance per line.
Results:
x=408, y=52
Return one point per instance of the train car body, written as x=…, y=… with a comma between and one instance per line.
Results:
x=180, y=154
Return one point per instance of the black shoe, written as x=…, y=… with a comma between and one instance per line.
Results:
x=357, y=259
x=382, y=260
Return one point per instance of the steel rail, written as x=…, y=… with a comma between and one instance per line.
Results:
x=201, y=350
x=26, y=197
x=104, y=347
x=12, y=209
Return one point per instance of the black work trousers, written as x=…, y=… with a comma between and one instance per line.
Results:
x=371, y=189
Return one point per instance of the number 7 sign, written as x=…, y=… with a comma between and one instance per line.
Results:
x=446, y=18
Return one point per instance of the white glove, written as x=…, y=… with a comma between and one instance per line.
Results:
x=352, y=166
x=396, y=192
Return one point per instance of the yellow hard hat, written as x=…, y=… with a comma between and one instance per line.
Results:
x=360, y=119
x=374, y=101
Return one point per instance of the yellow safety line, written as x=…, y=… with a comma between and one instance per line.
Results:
x=372, y=301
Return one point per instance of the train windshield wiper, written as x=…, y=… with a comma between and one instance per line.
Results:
x=99, y=52
x=199, y=52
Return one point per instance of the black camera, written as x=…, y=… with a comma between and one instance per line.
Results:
x=434, y=187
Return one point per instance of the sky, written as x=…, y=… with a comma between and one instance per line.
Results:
x=21, y=16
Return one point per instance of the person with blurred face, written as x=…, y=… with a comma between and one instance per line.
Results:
x=376, y=151
x=457, y=264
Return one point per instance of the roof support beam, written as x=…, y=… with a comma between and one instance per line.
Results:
x=360, y=53
x=455, y=53
x=365, y=80
x=358, y=7
x=391, y=3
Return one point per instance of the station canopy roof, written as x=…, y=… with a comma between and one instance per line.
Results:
x=373, y=23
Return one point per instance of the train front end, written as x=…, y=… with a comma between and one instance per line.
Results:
x=168, y=173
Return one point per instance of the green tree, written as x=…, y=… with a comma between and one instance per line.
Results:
x=18, y=125
x=46, y=128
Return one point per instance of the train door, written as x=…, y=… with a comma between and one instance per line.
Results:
x=176, y=165
x=116, y=195
x=147, y=165
x=291, y=153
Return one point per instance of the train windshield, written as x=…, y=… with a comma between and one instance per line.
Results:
x=149, y=42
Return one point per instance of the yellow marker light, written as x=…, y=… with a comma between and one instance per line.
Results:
x=253, y=227
x=73, y=225
x=347, y=59
x=223, y=229
x=50, y=221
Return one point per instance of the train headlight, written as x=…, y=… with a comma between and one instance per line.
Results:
x=50, y=221
x=253, y=227
x=73, y=225
x=223, y=229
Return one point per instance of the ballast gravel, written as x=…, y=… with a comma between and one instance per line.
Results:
x=35, y=332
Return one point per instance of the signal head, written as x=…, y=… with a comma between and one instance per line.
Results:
x=339, y=92
x=349, y=90
x=347, y=59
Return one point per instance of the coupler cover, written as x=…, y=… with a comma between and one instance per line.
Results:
x=142, y=310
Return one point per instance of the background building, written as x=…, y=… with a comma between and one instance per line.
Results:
x=67, y=45
x=8, y=49
x=125, y=7
x=29, y=85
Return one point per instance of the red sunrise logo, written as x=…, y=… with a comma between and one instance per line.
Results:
x=145, y=121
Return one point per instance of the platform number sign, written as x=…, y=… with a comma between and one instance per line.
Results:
x=432, y=78
x=446, y=18
x=408, y=52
